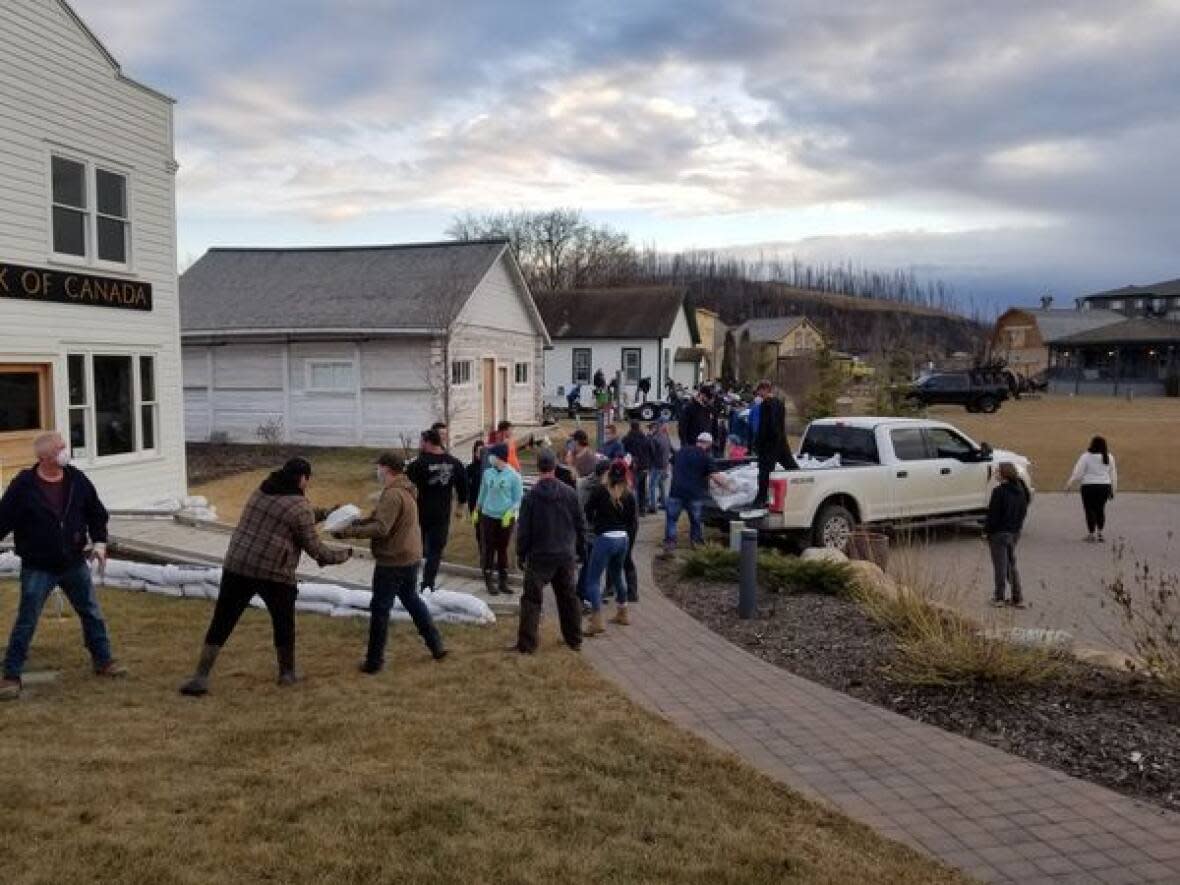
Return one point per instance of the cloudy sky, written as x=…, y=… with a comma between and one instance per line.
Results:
x=1008, y=147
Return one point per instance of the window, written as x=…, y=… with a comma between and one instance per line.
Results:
x=113, y=404
x=522, y=373
x=908, y=444
x=91, y=217
x=461, y=372
x=854, y=445
x=330, y=376
x=20, y=400
x=947, y=444
x=632, y=365
x=1116, y=305
x=1139, y=302
x=79, y=406
x=581, y=373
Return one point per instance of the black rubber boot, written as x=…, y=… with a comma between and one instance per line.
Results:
x=504, y=586
x=287, y=672
x=490, y=583
x=199, y=683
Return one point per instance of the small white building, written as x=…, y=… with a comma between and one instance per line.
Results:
x=89, y=320
x=643, y=332
x=358, y=345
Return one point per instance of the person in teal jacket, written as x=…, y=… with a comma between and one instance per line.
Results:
x=500, y=494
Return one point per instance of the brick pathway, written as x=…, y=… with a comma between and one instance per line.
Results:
x=991, y=814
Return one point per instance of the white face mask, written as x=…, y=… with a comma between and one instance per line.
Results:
x=63, y=458
x=381, y=475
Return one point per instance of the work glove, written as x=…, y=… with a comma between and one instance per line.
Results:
x=506, y=519
x=475, y=517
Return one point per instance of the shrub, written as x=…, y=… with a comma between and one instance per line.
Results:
x=1149, y=606
x=776, y=573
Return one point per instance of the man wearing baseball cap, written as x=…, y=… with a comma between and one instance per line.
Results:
x=693, y=469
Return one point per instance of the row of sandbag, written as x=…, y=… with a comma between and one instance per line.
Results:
x=198, y=582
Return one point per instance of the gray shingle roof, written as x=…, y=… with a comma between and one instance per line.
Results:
x=1057, y=324
x=636, y=312
x=1140, y=330
x=1163, y=289
x=770, y=329
x=412, y=286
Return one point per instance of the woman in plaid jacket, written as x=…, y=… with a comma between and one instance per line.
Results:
x=276, y=528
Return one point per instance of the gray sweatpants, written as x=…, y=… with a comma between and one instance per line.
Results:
x=1003, y=547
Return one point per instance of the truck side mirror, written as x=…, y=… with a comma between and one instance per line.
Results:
x=985, y=452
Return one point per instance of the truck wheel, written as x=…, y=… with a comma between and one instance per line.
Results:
x=647, y=413
x=665, y=413
x=973, y=407
x=833, y=527
x=987, y=404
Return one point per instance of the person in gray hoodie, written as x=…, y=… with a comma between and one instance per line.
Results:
x=550, y=541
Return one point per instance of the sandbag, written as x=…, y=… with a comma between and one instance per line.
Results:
x=468, y=606
x=342, y=517
x=164, y=590
x=745, y=488
x=352, y=598
x=343, y=611
x=319, y=608
x=142, y=571
x=9, y=563
x=310, y=591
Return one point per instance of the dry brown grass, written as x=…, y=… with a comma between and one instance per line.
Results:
x=487, y=768
x=1053, y=431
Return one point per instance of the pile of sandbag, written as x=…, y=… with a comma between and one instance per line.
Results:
x=744, y=489
x=190, y=507
x=810, y=462
x=202, y=582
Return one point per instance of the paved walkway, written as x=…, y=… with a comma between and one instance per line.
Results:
x=183, y=543
x=993, y=815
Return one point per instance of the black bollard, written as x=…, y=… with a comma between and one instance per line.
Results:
x=748, y=575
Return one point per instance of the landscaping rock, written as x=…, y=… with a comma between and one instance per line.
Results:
x=1032, y=637
x=1104, y=657
x=823, y=554
x=871, y=578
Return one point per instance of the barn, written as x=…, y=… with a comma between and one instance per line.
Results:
x=358, y=345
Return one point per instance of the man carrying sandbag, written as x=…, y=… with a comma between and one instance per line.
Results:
x=550, y=539
x=276, y=528
x=396, y=542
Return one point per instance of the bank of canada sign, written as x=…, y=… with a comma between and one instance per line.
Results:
x=67, y=287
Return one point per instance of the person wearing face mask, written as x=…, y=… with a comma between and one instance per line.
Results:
x=54, y=512
x=278, y=525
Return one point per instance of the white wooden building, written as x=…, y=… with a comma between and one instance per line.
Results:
x=358, y=345
x=644, y=332
x=89, y=321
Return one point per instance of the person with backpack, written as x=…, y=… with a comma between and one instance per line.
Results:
x=278, y=525
x=1095, y=472
x=613, y=516
x=395, y=538
x=500, y=495
x=1006, y=513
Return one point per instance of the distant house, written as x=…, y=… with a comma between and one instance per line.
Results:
x=759, y=344
x=712, y=332
x=644, y=332
x=358, y=345
x=1022, y=336
x=1136, y=355
x=1158, y=300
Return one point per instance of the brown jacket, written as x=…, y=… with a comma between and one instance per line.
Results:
x=392, y=528
x=275, y=529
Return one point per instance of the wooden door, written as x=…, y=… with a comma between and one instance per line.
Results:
x=26, y=411
x=489, y=394
x=503, y=392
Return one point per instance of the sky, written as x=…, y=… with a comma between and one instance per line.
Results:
x=1009, y=148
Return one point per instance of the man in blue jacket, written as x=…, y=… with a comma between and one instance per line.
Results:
x=54, y=512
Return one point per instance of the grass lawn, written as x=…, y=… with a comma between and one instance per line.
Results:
x=1053, y=431
x=486, y=768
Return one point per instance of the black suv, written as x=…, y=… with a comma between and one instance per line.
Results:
x=976, y=392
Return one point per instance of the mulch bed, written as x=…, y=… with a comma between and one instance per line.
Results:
x=1087, y=724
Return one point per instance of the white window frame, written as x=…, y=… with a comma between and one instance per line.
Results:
x=574, y=379
x=516, y=367
x=90, y=167
x=459, y=369
x=309, y=367
x=638, y=366
x=91, y=455
x=1116, y=305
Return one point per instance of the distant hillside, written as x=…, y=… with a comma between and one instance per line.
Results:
x=861, y=325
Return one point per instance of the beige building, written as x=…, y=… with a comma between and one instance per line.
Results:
x=1022, y=336
x=712, y=332
x=760, y=344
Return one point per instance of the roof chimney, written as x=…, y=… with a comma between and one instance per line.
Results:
x=1046, y=302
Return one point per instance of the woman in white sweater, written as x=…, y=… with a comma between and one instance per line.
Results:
x=1096, y=473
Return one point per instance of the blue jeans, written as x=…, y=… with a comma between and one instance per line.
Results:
x=400, y=582
x=676, y=506
x=35, y=587
x=655, y=487
x=608, y=557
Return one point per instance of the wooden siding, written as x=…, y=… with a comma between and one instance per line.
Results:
x=57, y=92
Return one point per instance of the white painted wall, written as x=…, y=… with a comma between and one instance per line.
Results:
x=606, y=354
x=681, y=336
x=58, y=91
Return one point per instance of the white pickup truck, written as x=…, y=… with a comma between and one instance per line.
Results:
x=893, y=472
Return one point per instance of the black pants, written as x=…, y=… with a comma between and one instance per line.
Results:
x=496, y=536
x=434, y=542
x=397, y=582
x=641, y=490
x=562, y=573
x=1094, y=498
x=778, y=453
x=235, y=595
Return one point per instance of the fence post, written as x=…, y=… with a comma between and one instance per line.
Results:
x=599, y=428
x=736, y=526
x=748, y=586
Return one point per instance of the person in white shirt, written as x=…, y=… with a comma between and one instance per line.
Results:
x=1098, y=477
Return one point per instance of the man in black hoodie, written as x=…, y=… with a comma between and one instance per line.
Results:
x=54, y=512
x=439, y=477
x=770, y=442
x=550, y=540
x=637, y=444
x=697, y=417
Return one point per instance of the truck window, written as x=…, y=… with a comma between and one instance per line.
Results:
x=854, y=445
x=947, y=444
x=909, y=444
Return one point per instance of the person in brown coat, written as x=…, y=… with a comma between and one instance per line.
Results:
x=396, y=542
x=276, y=528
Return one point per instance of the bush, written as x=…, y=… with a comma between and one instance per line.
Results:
x=1149, y=606
x=776, y=573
